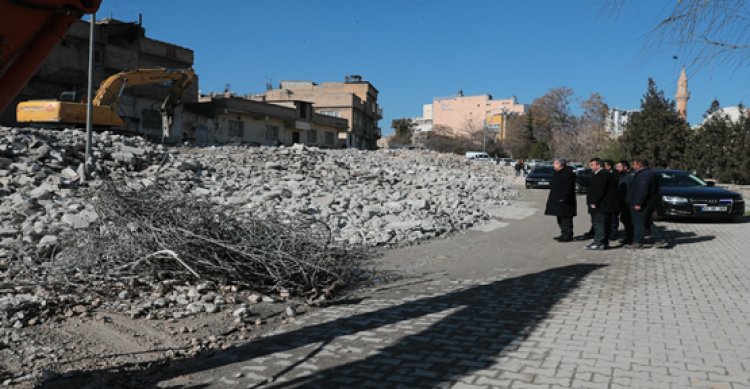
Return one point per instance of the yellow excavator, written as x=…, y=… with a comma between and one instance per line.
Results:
x=106, y=110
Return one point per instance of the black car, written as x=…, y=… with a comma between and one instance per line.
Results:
x=540, y=177
x=684, y=195
x=583, y=176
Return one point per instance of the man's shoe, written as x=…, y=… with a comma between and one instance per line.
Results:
x=595, y=247
x=589, y=234
x=558, y=237
x=565, y=239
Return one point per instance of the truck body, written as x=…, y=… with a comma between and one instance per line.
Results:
x=29, y=31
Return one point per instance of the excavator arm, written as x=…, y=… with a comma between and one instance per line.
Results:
x=29, y=31
x=111, y=88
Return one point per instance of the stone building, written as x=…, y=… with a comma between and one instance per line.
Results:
x=119, y=46
x=354, y=99
x=464, y=114
x=219, y=119
x=617, y=120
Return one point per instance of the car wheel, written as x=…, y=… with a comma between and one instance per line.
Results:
x=528, y=186
x=655, y=216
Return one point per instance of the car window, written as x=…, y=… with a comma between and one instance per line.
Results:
x=542, y=170
x=680, y=179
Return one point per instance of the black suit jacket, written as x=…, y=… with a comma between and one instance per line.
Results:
x=562, y=194
x=602, y=193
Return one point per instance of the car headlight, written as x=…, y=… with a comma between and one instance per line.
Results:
x=674, y=199
x=739, y=200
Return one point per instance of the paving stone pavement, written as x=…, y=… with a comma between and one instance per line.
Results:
x=675, y=318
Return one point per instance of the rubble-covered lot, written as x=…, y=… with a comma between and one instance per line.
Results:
x=62, y=310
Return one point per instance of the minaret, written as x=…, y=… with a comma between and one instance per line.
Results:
x=682, y=95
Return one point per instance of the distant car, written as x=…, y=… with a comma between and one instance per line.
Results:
x=583, y=176
x=540, y=177
x=478, y=156
x=504, y=161
x=686, y=196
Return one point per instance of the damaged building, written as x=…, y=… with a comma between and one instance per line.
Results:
x=119, y=46
x=355, y=100
x=224, y=118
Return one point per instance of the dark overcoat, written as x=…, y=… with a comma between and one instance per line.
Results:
x=562, y=194
x=602, y=192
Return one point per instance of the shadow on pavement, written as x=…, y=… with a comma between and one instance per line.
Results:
x=486, y=322
x=677, y=237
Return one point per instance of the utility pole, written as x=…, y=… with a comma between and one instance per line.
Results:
x=89, y=106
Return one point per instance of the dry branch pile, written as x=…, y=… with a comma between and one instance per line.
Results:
x=166, y=233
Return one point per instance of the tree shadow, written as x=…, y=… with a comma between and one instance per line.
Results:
x=472, y=328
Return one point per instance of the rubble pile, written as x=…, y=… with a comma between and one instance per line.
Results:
x=371, y=198
x=68, y=252
x=363, y=198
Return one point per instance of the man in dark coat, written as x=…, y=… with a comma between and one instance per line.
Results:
x=642, y=198
x=625, y=177
x=561, y=201
x=602, y=202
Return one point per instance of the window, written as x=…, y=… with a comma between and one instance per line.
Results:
x=236, y=129
x=304, y=110
x=312, y=136
x=272, y=133
x=97, y=56
x=151, y=119
x=329, y=138
x=335, y=114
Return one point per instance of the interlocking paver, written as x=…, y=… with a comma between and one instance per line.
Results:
x=675, y=318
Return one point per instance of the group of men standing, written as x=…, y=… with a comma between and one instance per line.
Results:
x=615, y=194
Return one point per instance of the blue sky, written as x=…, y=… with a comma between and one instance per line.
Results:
x=414, y=50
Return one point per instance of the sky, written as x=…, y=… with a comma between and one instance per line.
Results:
x=415, y=50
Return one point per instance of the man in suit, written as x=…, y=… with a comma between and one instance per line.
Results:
x=602, y=202
x=561, y=201
x=643, y=198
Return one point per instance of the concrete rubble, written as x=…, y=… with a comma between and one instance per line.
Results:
x=376, y=199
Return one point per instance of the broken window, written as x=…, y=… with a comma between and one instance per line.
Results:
x=236, y=129
x=272, y=133
x=312, y=136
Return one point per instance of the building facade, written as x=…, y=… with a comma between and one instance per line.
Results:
x=221, y=119
x=464, y=114
x=119, y=46
x=354, y=100
x=617, y=120
x=423, y=123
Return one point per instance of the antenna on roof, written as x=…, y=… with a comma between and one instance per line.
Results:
x=269, y=84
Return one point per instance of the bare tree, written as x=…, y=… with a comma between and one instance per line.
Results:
x=552, y=118
x=703, y=31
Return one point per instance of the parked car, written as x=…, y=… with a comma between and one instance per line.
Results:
x=583, y=176
x=478, y=156
x=686, y=196
x=505, y=161
x=540, y=177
